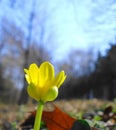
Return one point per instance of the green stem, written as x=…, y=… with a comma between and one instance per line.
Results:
x=38, y=115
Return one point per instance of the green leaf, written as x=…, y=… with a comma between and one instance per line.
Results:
x=97, y=118
x=80, y=125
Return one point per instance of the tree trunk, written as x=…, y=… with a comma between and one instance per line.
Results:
x=24, y=96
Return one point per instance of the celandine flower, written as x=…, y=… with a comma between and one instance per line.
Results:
x=43, y=86
x=42, y=83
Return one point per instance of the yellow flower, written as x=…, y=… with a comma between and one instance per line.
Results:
x=42, y=82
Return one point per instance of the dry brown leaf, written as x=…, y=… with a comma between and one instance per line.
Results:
x=57, y=120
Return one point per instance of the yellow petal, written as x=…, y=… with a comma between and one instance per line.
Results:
x=51, y=94
x=26, y=71
x=42, y=85
x=46, y=73
x=28, y=78
x=59, y=79
x=34, y=73
x=33, y=92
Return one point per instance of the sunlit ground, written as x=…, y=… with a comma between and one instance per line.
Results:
x=11, y=115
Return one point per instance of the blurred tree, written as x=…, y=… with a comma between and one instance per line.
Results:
x=106, y=70
x=8, y=93
x=102, y=81
x=20, y=50
x=78, y=66
x=98, y=79
x=14, y=55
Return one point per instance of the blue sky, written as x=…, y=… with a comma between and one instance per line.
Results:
x=87, y=24
x=68, y=24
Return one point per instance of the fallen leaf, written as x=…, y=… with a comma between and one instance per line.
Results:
x=57, y=120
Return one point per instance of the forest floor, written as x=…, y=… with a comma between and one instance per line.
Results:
x=11, y=116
